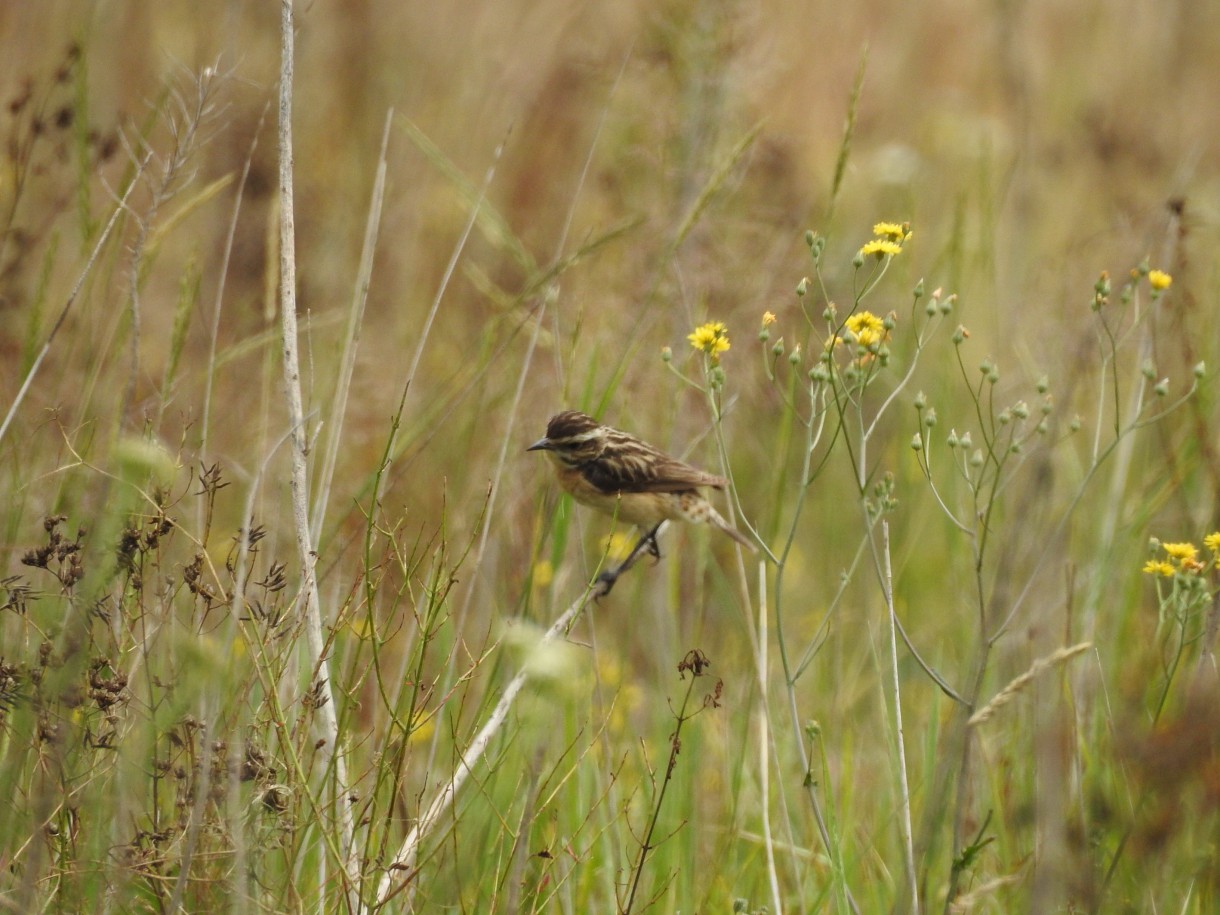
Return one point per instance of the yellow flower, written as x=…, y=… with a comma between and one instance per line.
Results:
x=423, y=729
x=880, y=248
x=617, y=546
x=1212, y=542
x=1158, y=567
x=866, y=328
x=865, y=332
x=894, y=230
x=544, y=573
x=768, y=319
x=1159, y=280
x=1180, y=551
x=711, y=338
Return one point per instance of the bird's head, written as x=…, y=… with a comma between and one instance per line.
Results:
x=572, y=438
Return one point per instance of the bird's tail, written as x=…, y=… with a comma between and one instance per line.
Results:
x=718, y=521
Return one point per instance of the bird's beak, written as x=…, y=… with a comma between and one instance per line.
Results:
x=543, y=444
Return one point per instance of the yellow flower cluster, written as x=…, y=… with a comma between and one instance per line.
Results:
x=1159, y=280
x=711, y=338
x=867, y=335
x=866, y=328
x=891, y=236
x=1184, y=557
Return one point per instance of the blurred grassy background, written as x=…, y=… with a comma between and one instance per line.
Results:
x=1032, y=145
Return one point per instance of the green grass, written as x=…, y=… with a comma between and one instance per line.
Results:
x=946, y=685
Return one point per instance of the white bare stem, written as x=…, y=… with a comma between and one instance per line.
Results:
x=327, y=718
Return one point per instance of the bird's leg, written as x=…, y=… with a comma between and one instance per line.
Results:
x=646, y=544
x=650, y=541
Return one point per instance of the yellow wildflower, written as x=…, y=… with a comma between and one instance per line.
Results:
x=866, y=328
x=712, y=338
x=1159, y=280
x=768, y=319
x=894, y=230
x=617, y=546
x=544, y=573
x=1180, y=551
x=880, y=248
x=1212, y=542
x=422, y=730
x=1158, y=567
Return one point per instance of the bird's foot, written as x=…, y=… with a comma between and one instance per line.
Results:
x=646, y=544
x=605, y=581
x=649, y=542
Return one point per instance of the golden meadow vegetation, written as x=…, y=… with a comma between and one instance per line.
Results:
x=934, y=285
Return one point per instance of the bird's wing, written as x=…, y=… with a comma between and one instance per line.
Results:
x=645, y=469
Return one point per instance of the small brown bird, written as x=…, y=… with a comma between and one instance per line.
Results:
x=629, y=479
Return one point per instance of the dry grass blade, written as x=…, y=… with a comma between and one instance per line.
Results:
x=1009, y=692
